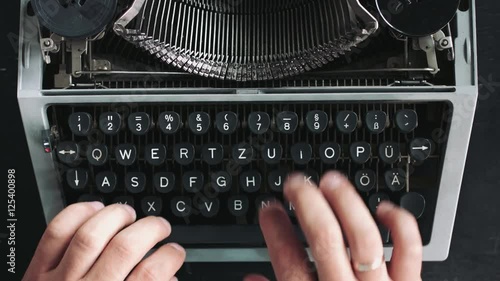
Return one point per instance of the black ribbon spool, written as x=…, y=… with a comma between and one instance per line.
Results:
x=417, y=18
x=75, y=19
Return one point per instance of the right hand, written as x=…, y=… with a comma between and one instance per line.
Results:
x=327, y=214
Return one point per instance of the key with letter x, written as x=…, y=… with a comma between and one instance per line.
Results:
x=151, y=205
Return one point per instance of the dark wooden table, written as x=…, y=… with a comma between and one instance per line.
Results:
x=475, y=251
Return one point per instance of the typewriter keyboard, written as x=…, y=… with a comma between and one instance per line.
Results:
x=208, y=167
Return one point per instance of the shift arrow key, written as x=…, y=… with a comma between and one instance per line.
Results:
x=77, y=178
x=420, y=149
x=68, y=152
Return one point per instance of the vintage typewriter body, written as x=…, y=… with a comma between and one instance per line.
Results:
x=197, y=110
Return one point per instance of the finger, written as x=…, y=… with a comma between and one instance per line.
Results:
x=255, y=277
x=127, y=249
x=321, y=229
x=58, y=235
x=161, y=265
x=363, y=236
x=288, y=256
x=91, y=239
x=406, y=262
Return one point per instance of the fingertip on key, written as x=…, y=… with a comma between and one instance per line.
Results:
x=130, y=210
x=294, y=181
x=332, y=180
x=96, y=205
x=384, y=207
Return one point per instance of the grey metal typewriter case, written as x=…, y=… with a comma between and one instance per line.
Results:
x=34, y=99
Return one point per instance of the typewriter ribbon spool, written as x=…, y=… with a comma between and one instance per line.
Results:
x=76, y=19
x=417, y=18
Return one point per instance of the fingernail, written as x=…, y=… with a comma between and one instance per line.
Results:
x=97, y=205
x=177, y=247
x=384, y=207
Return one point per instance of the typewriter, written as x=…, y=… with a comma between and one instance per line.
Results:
x=197, y=110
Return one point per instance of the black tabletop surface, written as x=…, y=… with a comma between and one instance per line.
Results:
x=475, y=250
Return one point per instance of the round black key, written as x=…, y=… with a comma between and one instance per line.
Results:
x=301, y=153
x=365, y=180
x=420, y=149
x=317, y=121
x=199, y=122
x=346, y=121
x=164, y=182
x=311, y=177
x=184, y=153
x=375, y=200
x=238, y=205
x=287, y=122
x=414, y=203
x=181, y=206
x=155, y=154
x=329, y=152
x=106, y=181
x=97, y=154
x=68, y=152
x=275, y=180
x=212, y=154
x=169, y=122
x=124, y=200
x=226, y=122
x=250, y=181
x=395, y=179
x=80, y=123
x=193, y=181
x=151, y=205
x=389, y=152
x=264, y=201
x=290, y=209
x=221, y=181
x=77, y=178
x=406, y=120
x=209, y=207
x=360, y=152
x=139, y=123
x=110, y=123
x=243, y=153
x=376, y=121
x=125, y=154
x=259, y=122
x=272, y=153
x=135, y=182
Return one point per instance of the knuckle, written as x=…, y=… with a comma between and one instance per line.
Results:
x=57, y=228
x=326, y=244
x=414, y=250
x=364, y=242
x=55, y=231
x=122, y=245
x=147, y=272
x=87, y=240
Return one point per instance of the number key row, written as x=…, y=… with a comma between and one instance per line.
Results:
x=227, y=122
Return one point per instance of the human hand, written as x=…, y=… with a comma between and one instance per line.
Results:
x=328, y=214
x=88, y=241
